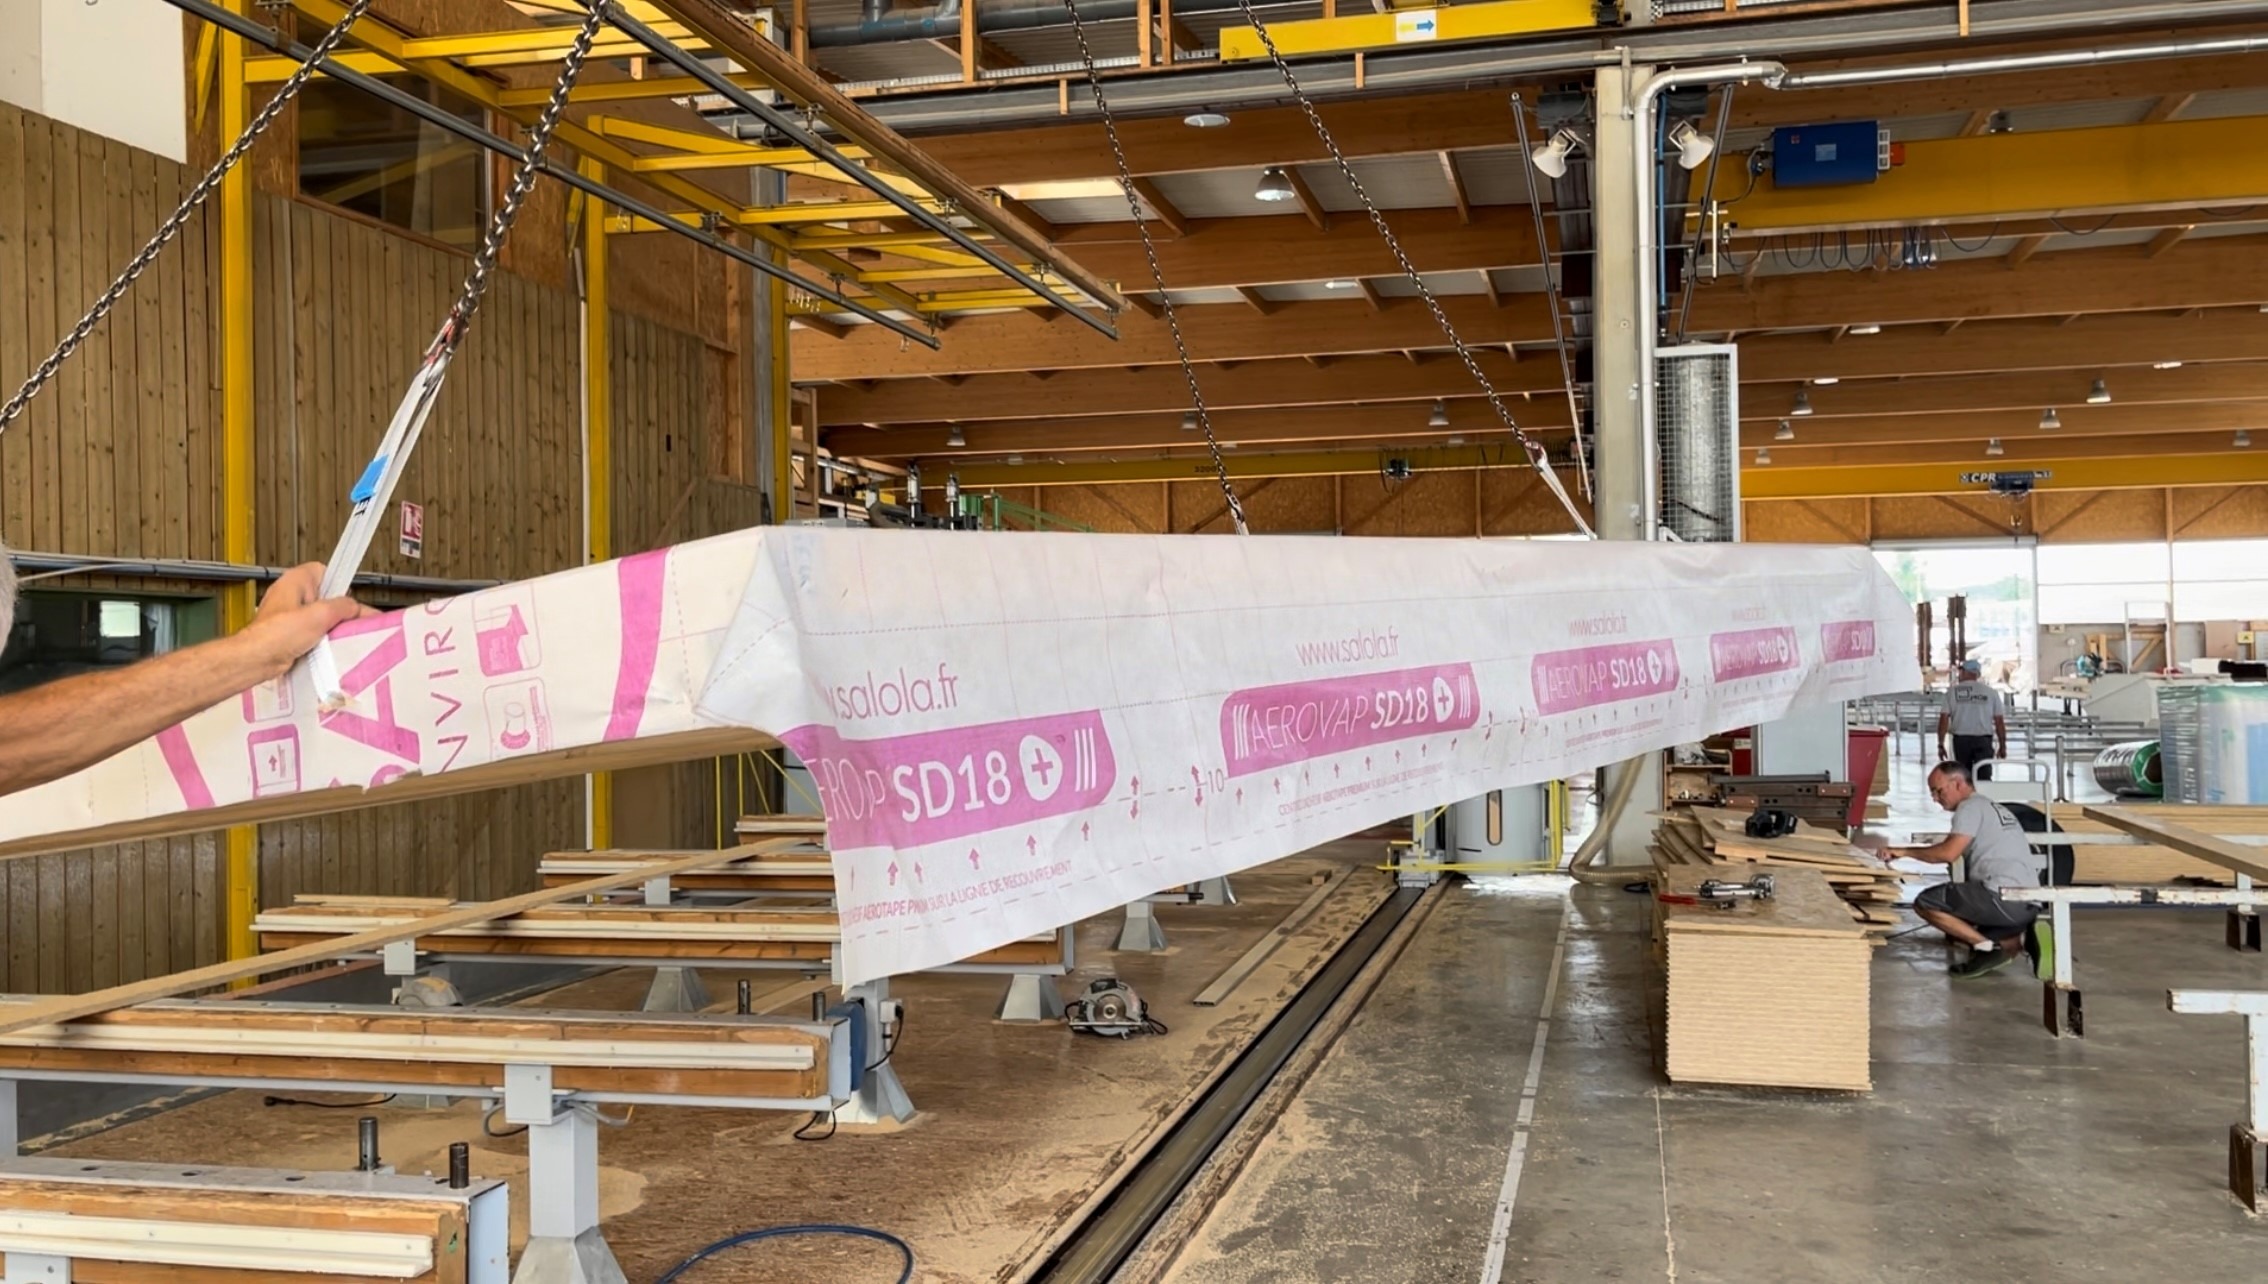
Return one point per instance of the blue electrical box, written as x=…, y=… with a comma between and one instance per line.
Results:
x=1827, y=155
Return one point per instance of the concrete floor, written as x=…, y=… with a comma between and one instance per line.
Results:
x=1988, y=1149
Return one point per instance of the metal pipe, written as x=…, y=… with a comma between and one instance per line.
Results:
x=1644, y=154
x=2025, y=62
x=366, y=1144
x=1411, y=71
x=793, y=129
x=879, y=25
x=53, y=565
x=460, y=1165
x=436, y=116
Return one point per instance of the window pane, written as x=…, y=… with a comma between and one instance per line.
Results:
x=58, y=634
x=2221, y=559
x=122, y=619
x=2222, y=600
x=2100, y=603
x=2105, y=564
x=368, y=156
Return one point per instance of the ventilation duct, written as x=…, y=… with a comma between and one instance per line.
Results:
x=1697, y=411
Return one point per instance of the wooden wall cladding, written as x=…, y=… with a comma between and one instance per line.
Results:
x=121, y=457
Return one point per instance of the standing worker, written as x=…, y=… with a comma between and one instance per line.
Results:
x=1977, y=718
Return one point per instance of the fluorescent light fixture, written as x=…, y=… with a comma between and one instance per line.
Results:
x=1786, y=432
x=1205, y=120
x=2049, y=420
x=1693, y=146
x=2165, y=365
x=1340, y=284
x=1275, y=185
x=1189, y=421
x=954, y=437
x=1866, y=329
x=1552, y=158
x=2243, y=439
x=1015, y=459
x=1063, y=189
x=2099, y=395
x=1764, y=455
x=1802, y=403
x=1440, y=416
x=1454, y=440
x=1826, y=381
x=1994, y=449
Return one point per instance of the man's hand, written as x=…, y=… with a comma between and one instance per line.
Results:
x=293, y=617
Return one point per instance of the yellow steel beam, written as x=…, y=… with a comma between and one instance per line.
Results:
x=689, y=140
x=780, y=215
x=836, y=239
x=2143, y=472
x=389, y=44
x=1492, y=20
x=598, y=441
x=943, y=257
x=625, y=91
x=269, y=68
x=1311, y=463
x=2175, y=165
x=240, y=888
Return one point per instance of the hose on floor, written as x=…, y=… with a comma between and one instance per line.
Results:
x=905, y=1250
x=1583, y=865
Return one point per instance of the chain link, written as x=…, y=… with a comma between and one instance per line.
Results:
x=1537, y=456
x=539, y=137
x=180, y=217
x=1157, y=273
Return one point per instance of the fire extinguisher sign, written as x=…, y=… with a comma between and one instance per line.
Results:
x=413, y=530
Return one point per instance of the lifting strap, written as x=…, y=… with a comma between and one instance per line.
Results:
x=173, y=224
x=375, y=487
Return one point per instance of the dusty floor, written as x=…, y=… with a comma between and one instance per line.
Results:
x=1018, y=1123
x=1987, y=1151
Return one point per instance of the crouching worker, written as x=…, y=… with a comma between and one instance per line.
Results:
x=1997, y=931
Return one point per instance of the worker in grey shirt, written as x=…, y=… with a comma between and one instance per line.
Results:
x=1999, y=856
x=1977, y=717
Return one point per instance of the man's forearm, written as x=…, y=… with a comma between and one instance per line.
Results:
x=64, y=726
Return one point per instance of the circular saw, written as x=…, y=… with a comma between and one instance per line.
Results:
x=1111, y=1009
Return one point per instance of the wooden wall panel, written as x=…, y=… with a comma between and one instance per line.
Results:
x=1429, y=504
x=2221, y=512
x=2100, y=517
x=1518, y=503
x=1810, y=521
x=1128, y=509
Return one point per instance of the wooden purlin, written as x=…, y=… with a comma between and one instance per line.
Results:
x=68, y=1007
x=805, y=85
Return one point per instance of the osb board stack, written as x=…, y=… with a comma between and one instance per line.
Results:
x=1715, y=840
x=2149, y=863
x=1768, y=993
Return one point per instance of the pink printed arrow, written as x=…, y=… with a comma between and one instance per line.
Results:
x=917, y=871
x=893, y=873
x=1240, y=793
x=1278, y=782
x=1086, y=830
x=976, y=859
x=1135, y=811
x=1031, y=845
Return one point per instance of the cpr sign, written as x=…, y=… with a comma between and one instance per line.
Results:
x=413, y=529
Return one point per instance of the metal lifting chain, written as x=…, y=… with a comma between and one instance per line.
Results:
x=1537, y=456
x=1157, y=273
x=180, y=217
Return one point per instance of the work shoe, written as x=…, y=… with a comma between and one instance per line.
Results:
x=1980, y=962
x=2040, y=944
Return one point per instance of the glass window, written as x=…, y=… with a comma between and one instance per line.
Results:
x=2221, y=559
x=59, y=634
x=2106, y=564
x=370, y=157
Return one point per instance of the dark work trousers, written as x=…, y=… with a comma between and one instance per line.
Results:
x=1971, y=750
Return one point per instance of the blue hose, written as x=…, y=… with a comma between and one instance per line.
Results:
x=781, y=1232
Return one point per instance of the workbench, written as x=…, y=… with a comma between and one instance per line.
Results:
x=1771, y=993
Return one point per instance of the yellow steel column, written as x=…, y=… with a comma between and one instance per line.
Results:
x=598, y=429
x=241, y=890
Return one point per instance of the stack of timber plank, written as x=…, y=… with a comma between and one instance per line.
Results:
x=1715, y=840
x=1767, y=993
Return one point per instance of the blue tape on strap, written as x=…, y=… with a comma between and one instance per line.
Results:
x=367, y=485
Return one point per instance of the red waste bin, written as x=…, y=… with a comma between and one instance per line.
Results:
x=1864, y=747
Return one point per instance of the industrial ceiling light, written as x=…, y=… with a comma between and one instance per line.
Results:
x=1440, y=416
x=1826, y=381
x=1866, y=329
x=1454, y=440
x=1189, y=421
x=1693, y=146
x=2049, y=420
x=1340, y=284
x=1275, y=185
x=2244, y=439
x=1204, y=120
x=2165, y=365
x=1993, y=448
x=2099, y=395
x=1802, y=403
x=955, y=438
x=1764, y=455
x=1016, y=460
x=1551, y=158
x=1786, y=432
